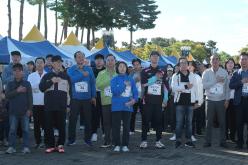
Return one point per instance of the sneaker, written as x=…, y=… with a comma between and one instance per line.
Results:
x=88, y=143
x=56, y=132
x=39, y=146
x=189, y=144
x=81, y=127
x=143, y=145
x=6, y=143
x=125, y=149
x=105, y=145
x=94, y=137
x=207, y=145
x=71, y=143
x=131, y=133
x=173, y=138
x=117, y=149
x=61, y=149
x=159, y=145
x=50, y=150
x=148, y=133
x=42, y=133
x=10, y=150
x=193, y=138
x=178, y=144
x=26, y=150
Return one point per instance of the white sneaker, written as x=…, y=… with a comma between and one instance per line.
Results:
x=26, y=150
x=159, y=145
x=131, y=133
x=56, y=132
x=173, y=138
x=94, y=137
x=193, y=138
x=10, y=150
x=117, y=149
x=125, y=149
x=81, y=127
x=143, y=144
x=42, y=133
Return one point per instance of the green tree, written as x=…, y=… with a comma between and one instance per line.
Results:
x=9, y=17
x=39, y=3
x=141, y=42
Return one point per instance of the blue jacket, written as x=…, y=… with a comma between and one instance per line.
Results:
x=120, y=93
x=83, y=88
x=236, y=84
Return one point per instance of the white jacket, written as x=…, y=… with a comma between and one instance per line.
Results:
x=196, y=91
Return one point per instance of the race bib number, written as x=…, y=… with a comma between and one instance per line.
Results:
x=107, y=91
x=154, y=89
x=245, y=88
x=81, y=86
x=127, y=92
x=217, y=89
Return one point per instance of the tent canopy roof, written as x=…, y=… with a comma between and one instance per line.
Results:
x=71, y=40
x=34, y=35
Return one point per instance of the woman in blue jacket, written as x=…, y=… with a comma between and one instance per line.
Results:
x=124, y=95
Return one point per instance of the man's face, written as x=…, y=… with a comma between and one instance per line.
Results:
x=49, y=61
x=183, y=65
x=39, y=64
x=215, y=61
x=99, y=62
x=110, y=61
x=18, y=73
x=30, y=67
x=136, y=65
x=154, y=59
x=57, y=65
x=16, y=59
x=122, y=68
x=243, y=61
x=80, y=58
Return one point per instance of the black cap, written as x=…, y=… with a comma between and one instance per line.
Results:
x=99, y=56
x=30, y=63
x=15, y=53
x=154, y=53
x=56, y=58
x=136, y=60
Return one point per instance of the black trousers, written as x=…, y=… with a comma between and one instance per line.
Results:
x=152, y=113
x=38, y=114
x=117, y=117
x=197, y=121
x=136, y=106
x=76, y=106
x=59, y=117
x=96, y=114
x=169, y=115
x=241, y=119
x=230, y=121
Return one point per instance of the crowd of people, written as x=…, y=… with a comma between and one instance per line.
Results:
x=190, y=97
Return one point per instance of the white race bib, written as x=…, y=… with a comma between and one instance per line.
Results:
x=245, y=88
x=154, y=89
x=81, y=86
x=217, y=89
x=107, y=91
x=127, y=92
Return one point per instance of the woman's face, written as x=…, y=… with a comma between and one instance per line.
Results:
x=122, y=68
x=230, y=65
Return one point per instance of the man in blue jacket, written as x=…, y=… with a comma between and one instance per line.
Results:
x=83, y=96
x=239, y=82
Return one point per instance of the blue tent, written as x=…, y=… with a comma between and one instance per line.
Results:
x=105, y=51
x=168, y=60
x=28, y=50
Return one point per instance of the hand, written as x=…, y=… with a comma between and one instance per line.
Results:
x=68, y=109
x=220, y=79
x=130, y=103
x=29, y=113
x=58, y=79
x=159, y=75
x=189, y=85
x=85, y=73
x=244, y=80
x=226, y=104
x=21, y=89
x=93, y=101
x=164, y=104
x=196, y=106
x=137, y=79
x=127, y=83
x=54, y=80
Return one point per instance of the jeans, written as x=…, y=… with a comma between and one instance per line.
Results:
x=13, y=122
x=184, y=113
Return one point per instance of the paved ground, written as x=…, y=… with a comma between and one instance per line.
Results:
x=81, y=154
